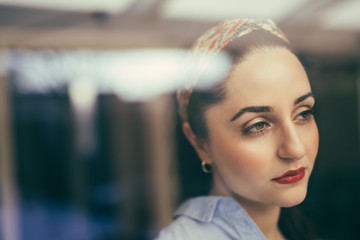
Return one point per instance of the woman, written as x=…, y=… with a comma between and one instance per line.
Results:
x=254, y=132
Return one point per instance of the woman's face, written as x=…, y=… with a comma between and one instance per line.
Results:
x=262, y=130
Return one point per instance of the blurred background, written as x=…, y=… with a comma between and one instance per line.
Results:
x=90, y=143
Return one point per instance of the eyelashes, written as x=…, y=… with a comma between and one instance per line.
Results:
x=261, y=127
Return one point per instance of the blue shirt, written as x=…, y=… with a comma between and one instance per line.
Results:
x=210, y=218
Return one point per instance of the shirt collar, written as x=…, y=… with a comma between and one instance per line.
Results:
x=203, y=208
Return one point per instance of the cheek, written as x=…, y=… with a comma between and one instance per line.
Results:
x=240, y=156
x=312, y=141
x=315, y=142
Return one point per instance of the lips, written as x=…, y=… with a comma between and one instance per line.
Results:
x=291, y=176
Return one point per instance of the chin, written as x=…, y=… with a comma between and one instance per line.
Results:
x=292, y=200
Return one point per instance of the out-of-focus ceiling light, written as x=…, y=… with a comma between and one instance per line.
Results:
x=343, y=15
x=133, y=75
x=82, y=92
x=111, y=6
x=218, y=10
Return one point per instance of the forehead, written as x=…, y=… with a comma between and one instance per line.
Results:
x=265, y=75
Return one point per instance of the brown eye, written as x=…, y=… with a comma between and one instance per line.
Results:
x=259, y=126
x=256, y=128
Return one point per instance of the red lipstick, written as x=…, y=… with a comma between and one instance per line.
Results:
x=291, y=176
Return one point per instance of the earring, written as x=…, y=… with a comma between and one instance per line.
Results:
x=206, y=167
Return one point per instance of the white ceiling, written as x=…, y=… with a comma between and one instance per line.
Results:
x=330, y=26
x=112, y=6
x=218, y=10
x=343, y=15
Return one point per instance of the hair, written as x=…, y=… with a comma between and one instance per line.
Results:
x=255, y=42
x=292, y=222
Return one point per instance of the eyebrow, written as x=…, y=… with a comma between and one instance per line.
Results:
x=254, y=109
x=259, y=109
x=302, y=98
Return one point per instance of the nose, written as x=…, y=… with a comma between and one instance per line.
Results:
x=291, y=146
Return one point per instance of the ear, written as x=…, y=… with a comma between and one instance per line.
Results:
x=201, y=147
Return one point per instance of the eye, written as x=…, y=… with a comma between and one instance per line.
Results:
x=306, y=115
x=256, y=128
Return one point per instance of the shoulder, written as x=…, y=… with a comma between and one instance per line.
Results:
x=211, y=218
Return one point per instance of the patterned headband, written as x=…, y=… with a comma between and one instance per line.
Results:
x=212, y=42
